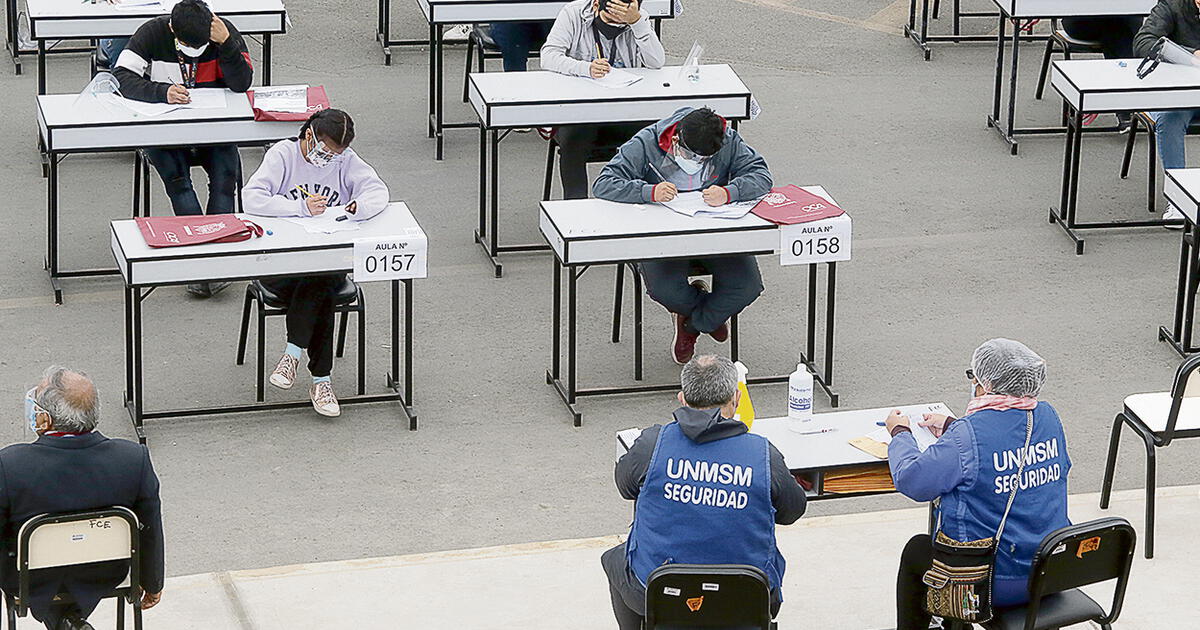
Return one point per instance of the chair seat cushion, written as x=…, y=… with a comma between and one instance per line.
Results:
x=1076, y=44
x=1056, y=611
x=346, y=293
x=1152, y=410
x=483, y=36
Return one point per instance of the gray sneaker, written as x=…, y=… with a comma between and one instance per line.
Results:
x=284, y=375
x=323, y=399
x=206, y=289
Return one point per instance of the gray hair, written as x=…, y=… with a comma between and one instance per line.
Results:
x=708, y=381
x=73, y=408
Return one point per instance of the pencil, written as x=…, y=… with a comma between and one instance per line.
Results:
x=305, y=192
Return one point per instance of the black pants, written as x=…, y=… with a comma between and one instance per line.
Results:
x=221, y=162
x=310, y=316
x=910, y=590
x=1115, y=34
x=575, y=145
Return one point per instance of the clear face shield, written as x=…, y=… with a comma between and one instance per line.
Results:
x=688, y=160
x=1165, y=50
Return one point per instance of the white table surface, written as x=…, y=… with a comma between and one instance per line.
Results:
x=542, y=98
x=1073, y=8
x=1182, y=188
x=1103, y=85
x=474, y=11
x=598, y=231
x=289, y=250
x=70, y=123
x=72, y=18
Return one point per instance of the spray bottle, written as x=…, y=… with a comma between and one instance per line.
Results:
x=745, y=409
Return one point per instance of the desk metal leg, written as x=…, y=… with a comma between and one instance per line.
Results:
x=135, y=413
x=1012, y=90
x=128, y=347
x=440, y=101
x=637, y=322
x=406, y=396
x=266, y=52
x=14, y=47
x=998, y=83
x=1181, y=322
x=568, y=391
x=41, y=66
x=556, y=342
x=823, y=377
x=433, y=29
x=384, y=31
x=52, y=227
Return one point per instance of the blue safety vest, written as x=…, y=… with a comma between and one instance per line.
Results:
x=706, y=504
x=973, y=512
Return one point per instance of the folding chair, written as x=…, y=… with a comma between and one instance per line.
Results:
x=61, y=540
x=1074, y=556
x=725, y=596
x=1158, y=418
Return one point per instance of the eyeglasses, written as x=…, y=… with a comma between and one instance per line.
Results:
x=970, y=374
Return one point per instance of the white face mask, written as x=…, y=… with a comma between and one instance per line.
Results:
x=188, y=51
x=691, y=167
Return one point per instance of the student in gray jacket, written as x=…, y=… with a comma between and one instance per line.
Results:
x=692, y=150
x=590, y=38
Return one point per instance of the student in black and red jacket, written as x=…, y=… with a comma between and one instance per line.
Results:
x=164, y=59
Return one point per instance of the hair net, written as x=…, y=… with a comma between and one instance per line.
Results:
x=1004, y=366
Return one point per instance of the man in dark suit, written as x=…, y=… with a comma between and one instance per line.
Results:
x=72, y=467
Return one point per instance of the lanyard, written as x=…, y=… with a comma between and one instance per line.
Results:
x=187, y=72
x=600, y=47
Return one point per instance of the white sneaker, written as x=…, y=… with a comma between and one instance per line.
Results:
x=323, y=399
x=1173, y=214
x=284, y=375
x=457, y=33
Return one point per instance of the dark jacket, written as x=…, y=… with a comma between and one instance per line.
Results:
x=707, y=425
x=150, y=63
x=1177, y=20
x=69, y=474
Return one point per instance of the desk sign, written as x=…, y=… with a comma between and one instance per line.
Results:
x=391, y=257
x=827, y=240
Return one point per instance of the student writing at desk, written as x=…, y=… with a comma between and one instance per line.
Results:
x=303, y=178
x=692, y=150
x=165, y=58
x=589, y=39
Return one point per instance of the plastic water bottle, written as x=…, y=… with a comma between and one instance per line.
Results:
x=745, y=409
x=800, y=397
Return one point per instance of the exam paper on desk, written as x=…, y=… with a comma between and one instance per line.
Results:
x=692, y=204
x=282, y=98
x=923, y=436
x=137, y=4
x=617, y=78
x=206, y=98
x=326, y=222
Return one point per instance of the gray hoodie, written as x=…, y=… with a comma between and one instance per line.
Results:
x=641, y=163
x=571, y=45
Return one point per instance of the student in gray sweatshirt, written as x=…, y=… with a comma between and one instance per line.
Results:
x=691, y=150
x=300, y=178
x=589, y=39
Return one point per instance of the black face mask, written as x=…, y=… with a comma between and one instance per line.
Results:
x=609, y=31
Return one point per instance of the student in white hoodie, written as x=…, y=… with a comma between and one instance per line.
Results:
x=304, y=177
x=590, y=38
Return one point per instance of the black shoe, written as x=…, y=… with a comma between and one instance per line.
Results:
x=1124, y=122
x=72, y=622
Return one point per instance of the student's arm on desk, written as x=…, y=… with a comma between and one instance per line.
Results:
x=553, y=56
x=650, y=49
x=1160, y=23
x=369, y=192
x=262, y=195
x=749, y=177
x=787, y=495
x=134, y=64
x=631, y=468
x=924, y=476
x=234, y=59
x=148, y=508
x=623, y=179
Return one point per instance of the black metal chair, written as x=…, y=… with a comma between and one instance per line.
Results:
x=1067, y=45
x=1159, y=419
x=348, y=299
x=63, y=540
x=480, y=40
x=1144, y=120
x=1074, y=556
x=141, y=183
x=726, y=596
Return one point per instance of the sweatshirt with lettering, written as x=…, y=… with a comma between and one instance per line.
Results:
x=274, y=189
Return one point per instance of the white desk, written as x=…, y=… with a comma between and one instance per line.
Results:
x=1103, y=85
x=51, y=20
x=439, y=13
x=66, y=127
x=288, y=251
x=1182, y=188
x=507, y=100
x=587, y=232
x=1017, y=11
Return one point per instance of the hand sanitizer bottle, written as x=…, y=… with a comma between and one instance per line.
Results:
x=800, y=398
x=745, y=409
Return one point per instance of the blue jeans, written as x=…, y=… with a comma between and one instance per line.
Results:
x=736, y=284
x=1170, y=129
x=110, y=49
x=517, y=39
x=222, y=163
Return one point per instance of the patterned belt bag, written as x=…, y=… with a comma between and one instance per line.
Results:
x=960, y=580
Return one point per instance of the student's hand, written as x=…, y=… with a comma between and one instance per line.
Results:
x=149, y=600
x=665, y=191
x=600, y=68
x=896, y=419
x=352, y=207
x=716, y=196
x=178, y=95
x=316, y=205
x=621, y=13
x=218, y=32
x=935, y=422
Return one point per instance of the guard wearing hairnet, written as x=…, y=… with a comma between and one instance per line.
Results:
x=973, y=468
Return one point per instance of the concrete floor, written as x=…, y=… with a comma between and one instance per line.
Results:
x=951, y=248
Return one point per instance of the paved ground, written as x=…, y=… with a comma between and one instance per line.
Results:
x=952, y=247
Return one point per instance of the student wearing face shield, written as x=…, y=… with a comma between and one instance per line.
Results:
x=692, y=150
x=166, y=57
x=303, y=178
x=589, y=38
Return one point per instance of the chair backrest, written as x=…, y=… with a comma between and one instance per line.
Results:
x=1186, y=385
x=68, y=539
x=1078, y=555
x=725, y=596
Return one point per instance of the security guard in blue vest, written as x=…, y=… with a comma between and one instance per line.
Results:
x=707, y=491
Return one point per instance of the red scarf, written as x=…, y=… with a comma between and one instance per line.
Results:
x=1000, y=402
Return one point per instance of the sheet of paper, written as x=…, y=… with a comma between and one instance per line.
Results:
x=137, y=4
x=326, y=222
x=692, y=204
x=206, y=98
x=915, y=414
x=138, y=108
x=282, y=98
x=618, y=78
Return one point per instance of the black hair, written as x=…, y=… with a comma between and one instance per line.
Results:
x=191, y=20
x=702, y=131
x=333, y=124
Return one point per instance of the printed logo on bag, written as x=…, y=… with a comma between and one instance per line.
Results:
x=208, y=228
x=171, y=236
x=813, y=207
x=970, y=602
x=777, y=200
x=1086, y=546
x=695, y=603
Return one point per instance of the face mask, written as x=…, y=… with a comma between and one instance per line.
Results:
x=32, y=409
x=689, y=165
x=188, y=51
x=320, y=156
